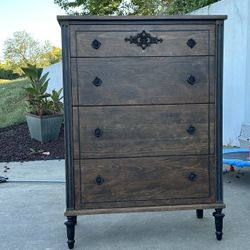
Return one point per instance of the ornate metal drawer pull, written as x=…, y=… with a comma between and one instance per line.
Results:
x=143, y=39
x=97, y=82
x=96, y=44
x=191, y=43
x=98, y=132
x=191, y=79
x=192, y=176
x=191, y=129
x=99, y=180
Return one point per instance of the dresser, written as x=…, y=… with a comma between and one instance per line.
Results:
x=143, y=115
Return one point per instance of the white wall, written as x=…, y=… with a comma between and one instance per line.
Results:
x=236, y=65
x=55, y=75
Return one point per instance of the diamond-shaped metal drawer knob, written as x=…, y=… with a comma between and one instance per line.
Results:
x=191, y=43
x=191, y=129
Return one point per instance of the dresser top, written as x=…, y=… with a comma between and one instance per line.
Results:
x=141, y=18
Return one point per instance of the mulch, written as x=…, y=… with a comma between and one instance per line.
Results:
x=17, y=145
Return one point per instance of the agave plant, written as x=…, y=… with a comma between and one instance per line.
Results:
x=55, y=103
x=39, y=101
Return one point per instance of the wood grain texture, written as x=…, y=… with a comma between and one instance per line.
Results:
x=151, y=80
x=143, y=209
x=130, y=131
x=145, y=181
x=144, y=107
x=113, y=44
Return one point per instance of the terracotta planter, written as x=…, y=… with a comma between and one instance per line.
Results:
x=44, y=128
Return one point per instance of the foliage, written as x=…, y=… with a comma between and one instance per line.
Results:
x=54, y=55
x=39, y=102
x=132, y=7
x=22, y=49
x=12, y=101
x=8, y=74
x=185, y=6
x=55, y=103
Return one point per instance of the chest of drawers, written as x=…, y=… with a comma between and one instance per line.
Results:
x=143, y=115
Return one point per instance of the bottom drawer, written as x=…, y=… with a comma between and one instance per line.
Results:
x=144, y=181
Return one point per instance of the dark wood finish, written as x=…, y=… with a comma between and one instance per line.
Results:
x=165, y=19
x=132, y=131
x=70, y=224
x=149, y=178
x=144, y=209
x=199, y=213
x=151, y=80
x=143, y=117
x=67, y=92
x=218, y=216
x=112, y=41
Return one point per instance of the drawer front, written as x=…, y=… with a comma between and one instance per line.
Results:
x=144, y=130
x=151, y=80
x=142, y=40
x=145, y=179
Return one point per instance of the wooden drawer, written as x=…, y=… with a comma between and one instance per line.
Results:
x=152, y=179
x=150, y=80
x=110, y=40
x=130, y=131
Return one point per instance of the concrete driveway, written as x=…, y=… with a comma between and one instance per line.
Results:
x=32, y=217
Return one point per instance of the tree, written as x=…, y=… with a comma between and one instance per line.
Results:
x=131, y=7
x=22, y=49
x=185, y=6
x=54, y=55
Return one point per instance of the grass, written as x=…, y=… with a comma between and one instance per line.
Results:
x=12, y=102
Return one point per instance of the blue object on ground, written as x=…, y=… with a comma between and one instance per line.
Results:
x=238, y=157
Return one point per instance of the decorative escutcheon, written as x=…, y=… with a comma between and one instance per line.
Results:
x=98, y=132
x=96, y=44
x=99, y=180
x=97, y=82
x=191, y=79
x=191, y=129
x=192, y=176
x=191, y=43
x=143, y=39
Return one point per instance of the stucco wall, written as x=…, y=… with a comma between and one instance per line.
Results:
x=55, y=75
x=236, y=65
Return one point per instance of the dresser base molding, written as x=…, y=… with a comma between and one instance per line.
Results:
x=144, y=209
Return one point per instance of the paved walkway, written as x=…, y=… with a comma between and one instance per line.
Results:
x=32, y=217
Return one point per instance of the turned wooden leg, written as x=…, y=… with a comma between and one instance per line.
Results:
x=218, y=216
x=70, y=224
x=199, y=213
x=75, y=219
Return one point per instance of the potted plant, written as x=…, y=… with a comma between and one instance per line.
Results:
x=44, y=110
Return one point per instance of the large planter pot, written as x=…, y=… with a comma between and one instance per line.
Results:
x=44, y=128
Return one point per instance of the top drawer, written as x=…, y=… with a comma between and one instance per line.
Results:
x=141, y=40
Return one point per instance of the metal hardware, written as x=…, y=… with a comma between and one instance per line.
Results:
x=96, y=44
x=97, y=82
x=191, y=129
x=143, y=40
x=99, y=180
x=98, y=132
x=192, y=176
x=191, y=43
x=191, y=79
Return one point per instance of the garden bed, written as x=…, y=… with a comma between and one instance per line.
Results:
x=16, y=145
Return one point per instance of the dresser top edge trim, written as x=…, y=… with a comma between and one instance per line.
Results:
x=139, y=18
